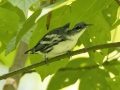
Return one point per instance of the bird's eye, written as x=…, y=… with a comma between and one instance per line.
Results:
x=79, y=27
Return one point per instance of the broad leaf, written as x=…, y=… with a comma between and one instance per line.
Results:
x=8, y=28
x=24, y=5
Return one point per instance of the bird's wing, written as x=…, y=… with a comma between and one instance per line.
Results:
x=52, y=38
x=46, y=43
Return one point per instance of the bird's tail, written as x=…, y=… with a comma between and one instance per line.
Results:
x=29, y=51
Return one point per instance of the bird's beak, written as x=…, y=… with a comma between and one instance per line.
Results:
x=88, y=25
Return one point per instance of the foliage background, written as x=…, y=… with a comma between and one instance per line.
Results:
x=16, y=27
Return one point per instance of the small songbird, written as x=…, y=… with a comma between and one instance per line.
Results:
x=59, y=40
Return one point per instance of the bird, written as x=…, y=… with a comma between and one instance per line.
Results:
x=59, y=40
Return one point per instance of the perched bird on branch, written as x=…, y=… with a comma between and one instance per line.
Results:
x=59, y=40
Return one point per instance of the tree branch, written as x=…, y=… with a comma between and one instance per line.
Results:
x=118, y=1
x=83, y=50
x=111, y=63
x=19, y=62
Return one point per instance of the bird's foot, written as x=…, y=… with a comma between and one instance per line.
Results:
x=69, y=54
x=46, y=60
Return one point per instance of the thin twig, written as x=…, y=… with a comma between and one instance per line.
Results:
x=49, y=16
x=83, y=50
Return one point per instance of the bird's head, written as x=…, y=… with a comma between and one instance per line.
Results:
x=80, y=26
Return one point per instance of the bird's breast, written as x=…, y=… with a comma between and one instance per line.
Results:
x=65, y=46
x=62, y=48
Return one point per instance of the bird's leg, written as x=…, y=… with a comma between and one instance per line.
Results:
x=69, y=54
x=46, y=60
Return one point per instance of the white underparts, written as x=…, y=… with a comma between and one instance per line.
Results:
x=65, y=46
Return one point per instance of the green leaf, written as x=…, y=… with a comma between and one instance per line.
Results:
x=114, y=83
x=63, y=79
x=99, y=57
x=73, y=15
x=16, y=10
x=94, y=79
x=27, y=36
x=24, y=5
x=8, y=28
x=97, y=34
x=110, y=13
x=54, y=6
x=100, y=32
x=12, y=43
x=91, y=77
x=112, y=69
x=115, y=24
x=68, y=77
x=29, y=23
x=11, y=46
x=49, y=69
